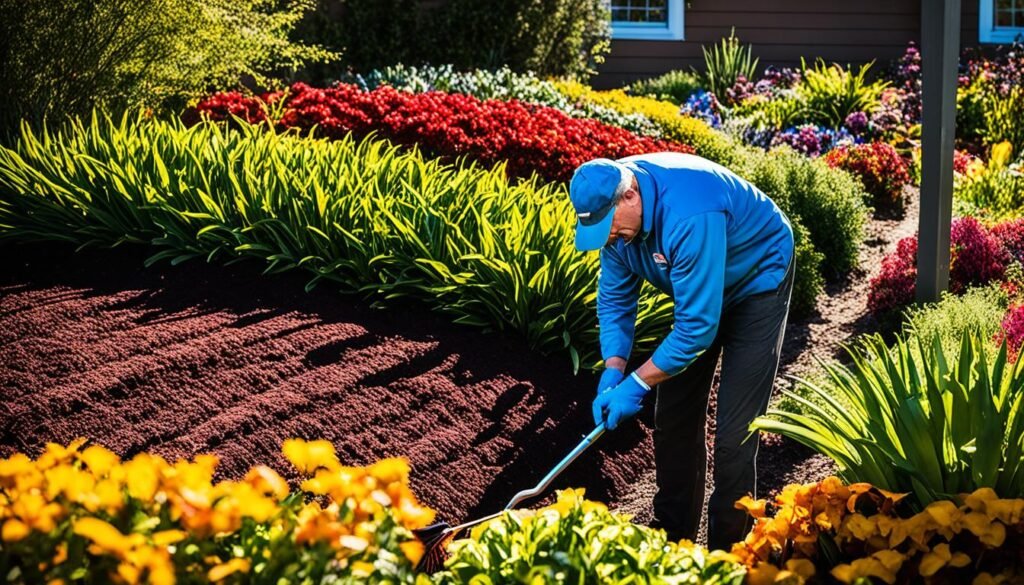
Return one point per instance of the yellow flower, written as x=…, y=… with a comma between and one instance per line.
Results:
x=890, y=559
x=55, y=454
x=802, y=567
x=754, y=508
x=988, y=579
x=1010, y=512
x=362, y=569
x=859, y=526
x=142, y=476
x=977, y=499
x=308, y=456
x=168, y=537
x=108, y=495
x=15, y=530
x=413, y=550
x=106, y=537
x=224, y=570
x=390, y=470
x=1001, y=154
x=869, y=567
x=99, y=460
x=762, y=574
x=939, y=557
x=267, y=481
x=35, y=511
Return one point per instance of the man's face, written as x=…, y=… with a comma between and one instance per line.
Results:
x=629, y=217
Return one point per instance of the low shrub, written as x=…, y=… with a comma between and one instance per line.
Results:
x=979, y=309
x=878, y=166
x=674, y=86
x=828, y=202
x=829, y=532
x=80, y=513
x=976, y=258
x=578, y=541
x=530, y=139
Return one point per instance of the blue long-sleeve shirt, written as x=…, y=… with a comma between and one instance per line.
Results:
x=709, y=240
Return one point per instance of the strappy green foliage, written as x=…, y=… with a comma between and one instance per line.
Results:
x=914, y=420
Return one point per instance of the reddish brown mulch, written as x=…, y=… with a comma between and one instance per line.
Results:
x=199, y=358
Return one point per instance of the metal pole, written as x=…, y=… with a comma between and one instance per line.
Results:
x=940, y=48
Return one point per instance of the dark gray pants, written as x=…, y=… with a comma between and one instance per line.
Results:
x=749, y=340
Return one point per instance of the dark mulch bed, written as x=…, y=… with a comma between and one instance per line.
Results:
x=207, y=359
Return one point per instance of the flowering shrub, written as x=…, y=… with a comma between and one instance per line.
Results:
x=878, y=165
x=977, y=257
x=529, y=138
x=82, y=513
x=704, y=106
x=1010, y=235
x=812, y=140
x=858, y=531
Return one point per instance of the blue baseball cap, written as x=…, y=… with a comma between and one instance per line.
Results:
x=592, y=192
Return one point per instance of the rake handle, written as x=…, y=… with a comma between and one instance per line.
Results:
x=544, y=483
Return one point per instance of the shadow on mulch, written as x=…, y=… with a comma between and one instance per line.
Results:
x=199, y=358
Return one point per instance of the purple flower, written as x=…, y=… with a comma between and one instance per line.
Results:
x=856, y=123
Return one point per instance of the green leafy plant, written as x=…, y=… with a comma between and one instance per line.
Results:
x=831, y=92
x=674, y=86
x=916, y=421
x=578, y=541
x=361, y=215
x=997, y=192
x=979, y=309
x=725, y=62
x=63, y=58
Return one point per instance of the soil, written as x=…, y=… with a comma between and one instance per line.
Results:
x=211, y=359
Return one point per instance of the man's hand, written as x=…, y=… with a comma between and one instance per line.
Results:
x=621, y=402
x=610, y=378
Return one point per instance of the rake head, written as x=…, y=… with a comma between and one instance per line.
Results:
x=434, y=538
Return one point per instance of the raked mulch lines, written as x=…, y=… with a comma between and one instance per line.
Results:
x=205, y=359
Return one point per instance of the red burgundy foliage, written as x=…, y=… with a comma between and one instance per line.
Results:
x=530, y=138
x=878, y=165
x=977, y=256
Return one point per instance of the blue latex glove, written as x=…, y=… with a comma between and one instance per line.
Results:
x=621, y=402
x=610, y=378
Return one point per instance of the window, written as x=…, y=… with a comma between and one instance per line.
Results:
x=1001, y=21
x=649, y=19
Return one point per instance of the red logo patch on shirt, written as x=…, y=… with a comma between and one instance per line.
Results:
x=659, y=258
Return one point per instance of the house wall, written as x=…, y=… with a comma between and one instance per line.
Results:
x=782, y=31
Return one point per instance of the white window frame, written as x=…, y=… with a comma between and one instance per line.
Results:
x=988, y=32
x=671, y=31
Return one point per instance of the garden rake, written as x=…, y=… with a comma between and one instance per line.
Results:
x=436, y=536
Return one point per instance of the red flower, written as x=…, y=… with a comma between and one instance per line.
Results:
x=529, y=138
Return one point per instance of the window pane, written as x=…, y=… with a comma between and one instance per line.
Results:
x=1004, y=18
x=619, y=14
x=1004, y=4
